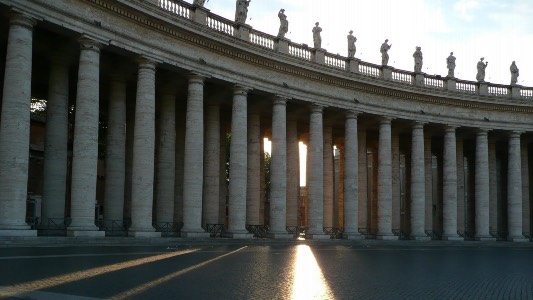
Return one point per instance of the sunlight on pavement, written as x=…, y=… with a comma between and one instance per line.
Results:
x=40, y=284
x=141, y=288
x=309, y=282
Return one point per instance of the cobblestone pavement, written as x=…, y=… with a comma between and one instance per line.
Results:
x=326, y=270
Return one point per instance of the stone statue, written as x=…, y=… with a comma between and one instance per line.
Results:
x=241, y=11
x=514, y=73
x=317, y=40
x=283, y=24
x=351, y=45
x=450, y=63
x=418, y=59
x=481, y=66
x=384, y=52
x=199, y=2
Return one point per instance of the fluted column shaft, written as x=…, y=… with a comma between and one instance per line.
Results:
x=166, y=158
x=278, y=168
x=115, y=163
x=482, y=186
x=56, y=143
x=514, y=188
x=85, y=148
x=329, y=176
x=15, y=126
x=315, y=173
x=212, y=165
x=142, y=190
x=449, y=205
x=418, y=182
x=351, y=178
x=193, y=164
x=238, y=163
x=254, y=180
x=293, y=171
x=385, y=180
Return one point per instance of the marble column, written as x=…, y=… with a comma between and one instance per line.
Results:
x=193, y=165
x=514, y=190
x=329, y=175
x=362, y=182
x=56, y=144
x=351, y=178
x=482, y=186
x=115, y=159
x=142, y=189
x=254, y=164
x=278, y=171
x=212, y=165
x=15, y=128
x=85, y=147
x=449, y=205
x=293, y=171
x=238, y=174
x=385, y=181
x=418, y=178
x=166, y=157
x=315, y=157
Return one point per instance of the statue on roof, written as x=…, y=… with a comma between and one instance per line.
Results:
x=241, y=12
x=317, y=40
x=514, y=73
x=481, y=66
x=384, y=52
x=283, y=24
x=200, y=2
x=450, y=63
x=418, y=59
x=351, y=44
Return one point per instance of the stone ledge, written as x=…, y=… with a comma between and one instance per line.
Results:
x=86, y=233
x=18, y=233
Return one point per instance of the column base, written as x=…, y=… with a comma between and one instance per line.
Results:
x=85, y=233
x=353, y=236
x=318, y=236
x=387, y=237
x=518, y=239
x=420, y=238
x=144, y=234
x=485, y=239
x=195, y=234
x=239, y=235
x=453, y=238
x=280, y=236
x=18, y=232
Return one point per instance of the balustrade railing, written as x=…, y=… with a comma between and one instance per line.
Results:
x=526, y=93
x=262, y=39
x=466, y=87
x=434, y=82
x=402, y=76
x=177, y=7
x=300, y=51
x=335, y=61
x=370, y=70
x=220, y=24
x=499, y=91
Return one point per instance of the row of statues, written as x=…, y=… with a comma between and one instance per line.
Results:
x=241, y=13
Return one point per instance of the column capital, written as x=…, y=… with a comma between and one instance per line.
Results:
x=315, y=108
x=280, y=100
x=87, y=43
x=418, y=124
x=352, y=114
x=241, y=90
x=385, y=119
x=515, y=134
x=22, y=20
x=450, y=128
x=482, y=131
x=146, y=63
x=196, y=78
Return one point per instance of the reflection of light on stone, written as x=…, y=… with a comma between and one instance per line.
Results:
x=309, y=282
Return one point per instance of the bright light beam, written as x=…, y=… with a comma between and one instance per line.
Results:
x=309, y=282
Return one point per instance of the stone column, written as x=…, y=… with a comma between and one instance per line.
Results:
x=142, y=189
x=396, y=182
x=385, y=181
x=180, y=161
x=56, y=143
x=115, y=158
x=193, y=165
x=493, y=189
x=351, y=178
x=85, y=148
x=212, y=165
x=222, y=207
x=514, y=190
x=238, y=165
x=315, y=194
x=15, y=128
x=418, y=182
x=278, y=171
x=254, y=164
x=363, y=184
x=329, y=176
x=293, y=171
x=449, y=205
x=526, y=222
x=482, y=186
x=166, y=157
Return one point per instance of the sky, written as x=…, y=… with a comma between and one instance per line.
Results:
x=501, y=31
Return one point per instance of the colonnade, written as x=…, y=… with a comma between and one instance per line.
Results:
x=193, y=193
